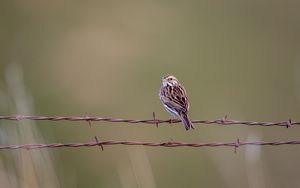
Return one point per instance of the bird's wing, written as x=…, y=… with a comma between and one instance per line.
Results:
x=175, y=97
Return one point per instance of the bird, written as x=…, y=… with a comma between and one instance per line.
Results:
x=174, y=98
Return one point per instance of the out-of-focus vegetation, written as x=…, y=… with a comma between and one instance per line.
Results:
x=240, y=58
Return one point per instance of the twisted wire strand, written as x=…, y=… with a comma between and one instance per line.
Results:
x=234, y=144
x=153, y=121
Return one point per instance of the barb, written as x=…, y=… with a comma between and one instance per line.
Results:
x=99, y=144
x=223, y=121
x=234, y=144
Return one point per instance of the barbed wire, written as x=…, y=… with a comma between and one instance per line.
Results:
x=153, y=121
x=234, y=144
x=222, y=121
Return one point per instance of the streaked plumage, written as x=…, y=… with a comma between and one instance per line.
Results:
x=174, y=98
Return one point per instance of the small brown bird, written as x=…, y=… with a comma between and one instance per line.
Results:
x=174, y=98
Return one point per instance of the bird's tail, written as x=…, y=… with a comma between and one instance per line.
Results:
x=186, y=121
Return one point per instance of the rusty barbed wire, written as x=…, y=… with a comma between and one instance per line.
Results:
x=222, y=121
x=234, y=144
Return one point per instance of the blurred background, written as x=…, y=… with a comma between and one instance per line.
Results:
x=106, y=58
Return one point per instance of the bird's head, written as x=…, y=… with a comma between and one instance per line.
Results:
x=169, y=80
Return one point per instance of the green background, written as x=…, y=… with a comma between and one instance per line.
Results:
x=106, y=58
